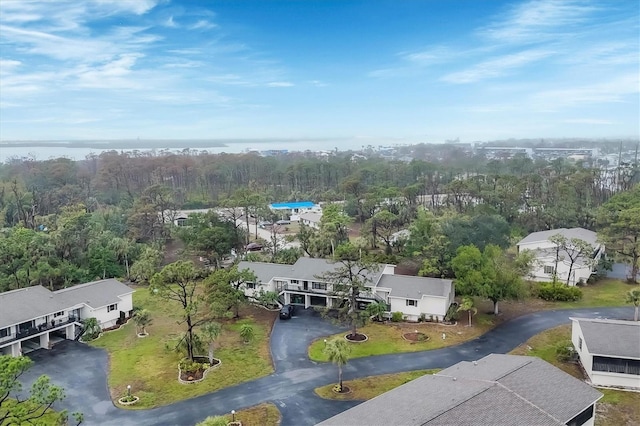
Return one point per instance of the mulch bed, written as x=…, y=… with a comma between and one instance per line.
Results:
x=345, y=389
x=358, y=337
x=415, y=337
x=190, y=376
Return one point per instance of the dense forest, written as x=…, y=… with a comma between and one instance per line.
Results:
x=67, y=221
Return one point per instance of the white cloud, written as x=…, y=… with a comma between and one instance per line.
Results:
x=614, y=90
x=109, y=75
x=538, y=20
x=496, y=67
x=595, y=121
x=8, y=65
x=170, y=22
x=280, y=84
x=202, y=24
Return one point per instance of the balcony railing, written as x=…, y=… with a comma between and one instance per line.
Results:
x=300, y=289
x=40, y=328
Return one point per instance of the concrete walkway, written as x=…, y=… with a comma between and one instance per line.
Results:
x=82, y=372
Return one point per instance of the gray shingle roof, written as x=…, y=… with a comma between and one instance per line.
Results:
x=265, y=271
x=24, y=304
x=506, y=408
x=307, y=268
x=581, y=233
x=311, y=216
x=497, y=390
x=415, y=287
x=611, y=337
x=95, y=294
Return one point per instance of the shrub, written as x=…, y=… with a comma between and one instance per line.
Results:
x=188, y=366
x=247, y=333
x=396, y=317
x=565, y=351
x=559, y=292
x=423, y=318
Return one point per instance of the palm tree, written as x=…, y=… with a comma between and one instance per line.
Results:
x=142, y=319
x=633, y=297
x=338, y=351
x=91, y=328
x=247, y=333
x=122, y=247
x=211, y=332
x=467, y=305
x=376, y=309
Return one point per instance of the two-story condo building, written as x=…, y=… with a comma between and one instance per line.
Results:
x=546, y=251
x=33, y=317
x=301, y=284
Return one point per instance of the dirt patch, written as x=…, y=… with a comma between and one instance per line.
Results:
x=174, y=250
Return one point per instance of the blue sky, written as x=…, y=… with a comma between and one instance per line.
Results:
x=408, y=70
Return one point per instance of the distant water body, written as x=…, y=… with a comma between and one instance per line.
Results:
x=81, y=152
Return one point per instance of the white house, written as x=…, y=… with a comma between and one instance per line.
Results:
x=609, y=351
x=311, y=219
x=34, y=317
x=545, y=252
x=293, y=210
x=300, y=284
x=495, y=390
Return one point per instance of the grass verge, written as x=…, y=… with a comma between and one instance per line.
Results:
x=606, y=292
x=149, y=364
x=387, y=338
x=265, y=414
x=616, y=408
x=372, y=386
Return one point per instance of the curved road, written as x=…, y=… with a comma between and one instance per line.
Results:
x=82, y=370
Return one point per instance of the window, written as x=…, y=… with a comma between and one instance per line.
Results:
x=4, y=332
x=549, y=269
x=294, y=281
x=411, y=302
x=251, y=285
x=112, y=307
x=616, y=365
x=582, y=418
x=580, y=343
x=58, y=314
x=318, y=286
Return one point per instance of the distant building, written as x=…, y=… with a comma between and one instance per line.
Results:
x=498, y=390
x=311, y=219
x=545, y=253
x=292, y=210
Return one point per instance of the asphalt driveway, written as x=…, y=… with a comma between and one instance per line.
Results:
x=82, y=371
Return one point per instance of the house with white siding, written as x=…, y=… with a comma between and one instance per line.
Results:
x=495, y=390
x=546, y=253
x=302, y=284
x=311, y=219
x=609, y=351
x=34, y=317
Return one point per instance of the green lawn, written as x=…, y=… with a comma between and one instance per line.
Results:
x=150, y=366
x=265, y=414
x=607, y=292
x=372, y=386
x=387, y=338
x=616, y=408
